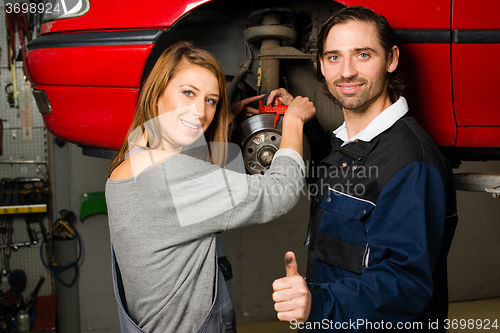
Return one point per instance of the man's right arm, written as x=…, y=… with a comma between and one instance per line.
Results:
x=319, y=140
x=298, y=113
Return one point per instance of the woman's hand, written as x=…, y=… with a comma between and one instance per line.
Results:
x=242, y=109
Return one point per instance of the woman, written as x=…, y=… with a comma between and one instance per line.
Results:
x=167, y=196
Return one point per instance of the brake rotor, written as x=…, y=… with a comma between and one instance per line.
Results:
x=260, y=142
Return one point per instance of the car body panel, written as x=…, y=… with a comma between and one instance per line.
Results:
x=90, y=116
x=478, y=14
x=117, y=14
x=475, y=69
x=422, y=14
x=430, y=60
x=478, y=137
x=475, y=51
x=104, y=66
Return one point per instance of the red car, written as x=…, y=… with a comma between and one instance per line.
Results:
x=87, y=67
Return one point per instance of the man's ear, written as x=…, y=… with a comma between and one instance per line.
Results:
x=320, y=63
x=393, y=59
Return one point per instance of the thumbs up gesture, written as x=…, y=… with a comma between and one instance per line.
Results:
x=291, y=295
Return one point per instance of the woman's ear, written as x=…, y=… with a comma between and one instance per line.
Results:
x=393, y=59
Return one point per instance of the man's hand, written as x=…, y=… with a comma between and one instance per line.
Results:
x=299, y=107
x=242, y=109
x=283, y=95
x=291, y=296
x=302, y=108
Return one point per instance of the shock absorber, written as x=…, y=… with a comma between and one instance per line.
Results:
x=272, y=35
x=262, y=132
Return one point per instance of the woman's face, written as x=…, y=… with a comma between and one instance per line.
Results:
x=187, y=106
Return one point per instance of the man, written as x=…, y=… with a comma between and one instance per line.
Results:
x=383, y=212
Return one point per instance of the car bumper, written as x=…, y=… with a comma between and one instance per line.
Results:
x=91, y=81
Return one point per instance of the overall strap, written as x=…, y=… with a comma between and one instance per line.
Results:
x=127, y=324
x=221, y=318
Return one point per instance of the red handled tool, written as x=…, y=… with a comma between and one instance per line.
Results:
x=278, y=109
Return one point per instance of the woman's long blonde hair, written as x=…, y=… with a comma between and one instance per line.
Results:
x=167, y=66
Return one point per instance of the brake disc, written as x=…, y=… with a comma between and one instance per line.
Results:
x=261, y=141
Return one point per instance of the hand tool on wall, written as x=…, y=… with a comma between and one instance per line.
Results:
x=30, y=219
x=1, y=137
x=2, y=246
x=26, y=110
x=9, y=90
x=16, y=246
x=15, y=20
x=7, y=251
x=30, y=302
x=10, y=21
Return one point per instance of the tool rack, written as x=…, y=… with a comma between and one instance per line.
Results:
x=24, y=161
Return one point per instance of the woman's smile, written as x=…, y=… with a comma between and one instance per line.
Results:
x=190, y=125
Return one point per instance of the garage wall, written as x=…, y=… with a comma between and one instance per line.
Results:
x=474, y=259
x=95, y=306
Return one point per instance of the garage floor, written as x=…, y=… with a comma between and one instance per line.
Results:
x=481, y=309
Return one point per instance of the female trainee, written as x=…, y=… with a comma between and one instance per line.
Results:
x=171, y=190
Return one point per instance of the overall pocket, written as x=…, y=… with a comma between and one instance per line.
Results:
x=342, y=232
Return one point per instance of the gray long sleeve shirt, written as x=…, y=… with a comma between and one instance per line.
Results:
x=162, y=226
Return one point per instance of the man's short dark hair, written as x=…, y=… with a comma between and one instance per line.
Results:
x=386, y=36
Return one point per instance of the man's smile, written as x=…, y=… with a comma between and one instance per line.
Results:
x=350, y=88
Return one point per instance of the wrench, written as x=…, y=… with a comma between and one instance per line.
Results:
x=16, y=246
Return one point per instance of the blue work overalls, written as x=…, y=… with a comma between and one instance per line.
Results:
x=221, y=317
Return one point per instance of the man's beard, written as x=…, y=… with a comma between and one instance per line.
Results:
x=358, y=99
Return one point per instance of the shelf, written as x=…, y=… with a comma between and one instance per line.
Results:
x=22, y=162
x=23, y=209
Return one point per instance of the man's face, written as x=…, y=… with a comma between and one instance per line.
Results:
x=355, y=65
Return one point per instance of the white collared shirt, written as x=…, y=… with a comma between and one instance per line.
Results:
x=382, y=122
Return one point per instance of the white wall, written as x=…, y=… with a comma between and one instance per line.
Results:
x=97, y=304
x=474, y=259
